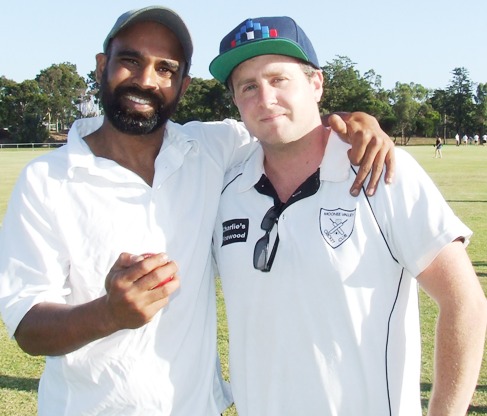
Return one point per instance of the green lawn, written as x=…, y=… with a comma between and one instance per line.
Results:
x=461, y=175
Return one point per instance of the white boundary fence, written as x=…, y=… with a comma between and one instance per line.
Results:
x=31, y=145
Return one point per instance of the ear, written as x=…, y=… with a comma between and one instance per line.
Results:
x=185, y=84
x=101, y=63
x=317, y=81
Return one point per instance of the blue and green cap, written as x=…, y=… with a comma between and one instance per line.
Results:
x=279, y=35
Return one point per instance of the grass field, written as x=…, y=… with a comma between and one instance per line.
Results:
x=461, y=175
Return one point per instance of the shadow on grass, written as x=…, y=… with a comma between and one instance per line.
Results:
x=19, y=383
x=478, y=264
x=482, y=409
x=426, y=388
x=454, y=200
x=477, y=409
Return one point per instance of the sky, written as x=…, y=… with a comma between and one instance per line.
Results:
x=407, y=41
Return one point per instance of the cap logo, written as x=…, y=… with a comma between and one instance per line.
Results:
x=279, y=35
x=251, y=31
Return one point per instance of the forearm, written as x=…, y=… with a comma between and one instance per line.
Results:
x=134, y=296
x=56, y=329
x=458, y=356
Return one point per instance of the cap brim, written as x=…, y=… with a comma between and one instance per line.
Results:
x=222, y=66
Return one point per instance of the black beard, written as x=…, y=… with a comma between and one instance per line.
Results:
x=130, y=122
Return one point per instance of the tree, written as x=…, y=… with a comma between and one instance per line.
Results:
x=22, y=108
x=64, y=90
x=346, y=90
x=459, y=101
x=6, y=86
x=205, y=100
x=481, y=108
x=93, y=87
x=429, y=122
x=408, y=100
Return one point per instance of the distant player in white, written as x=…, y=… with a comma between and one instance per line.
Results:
x=321, y=287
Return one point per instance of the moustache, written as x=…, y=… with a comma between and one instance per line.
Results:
x=147, y=97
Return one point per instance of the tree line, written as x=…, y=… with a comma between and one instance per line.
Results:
x=32, y=109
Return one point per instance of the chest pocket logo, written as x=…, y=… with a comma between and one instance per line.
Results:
x=235, y=231
x=336, y=225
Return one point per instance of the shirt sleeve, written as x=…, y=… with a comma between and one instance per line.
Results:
x=417, y=221
x=31, y=266
x=228, y=141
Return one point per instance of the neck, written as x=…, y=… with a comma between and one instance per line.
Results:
x=136, y=153
x=287, y=166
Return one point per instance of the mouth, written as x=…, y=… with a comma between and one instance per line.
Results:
x=138, y=100
x=271, y=117
x=137, y=103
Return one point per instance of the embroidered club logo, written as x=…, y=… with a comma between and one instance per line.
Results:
x=336, y=225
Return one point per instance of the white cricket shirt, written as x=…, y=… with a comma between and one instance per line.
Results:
x=70, y=216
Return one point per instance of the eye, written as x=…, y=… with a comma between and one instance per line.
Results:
x=248, y=88
x=278, y=80
x=129, y=61
x=165, y=72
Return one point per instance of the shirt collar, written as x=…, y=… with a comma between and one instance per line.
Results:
x=252, y=170
x=80, y=155
x=334, y=167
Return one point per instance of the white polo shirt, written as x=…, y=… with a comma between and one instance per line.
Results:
x=333, y=328
x=70, y=216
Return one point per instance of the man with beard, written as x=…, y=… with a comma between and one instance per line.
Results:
x=84, y=278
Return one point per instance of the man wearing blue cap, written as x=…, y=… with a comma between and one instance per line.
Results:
x=84, y=278
x=321, y=287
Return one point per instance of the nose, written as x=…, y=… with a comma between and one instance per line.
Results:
x=146, y=77
x=267, y=95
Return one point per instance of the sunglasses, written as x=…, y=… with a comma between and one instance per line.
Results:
x=262, y=260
